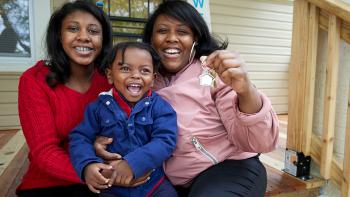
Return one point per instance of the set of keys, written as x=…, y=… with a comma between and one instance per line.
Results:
x=207, y=78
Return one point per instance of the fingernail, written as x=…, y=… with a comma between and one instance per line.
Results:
x=203, y=59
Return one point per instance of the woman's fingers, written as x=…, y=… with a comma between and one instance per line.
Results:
x=127, y=180
x=100, y=145
x=107, y=155
x=139, y=182
x=230, y=67
x=93, y=189
x=112, y=178
x=98, y=176
x=118, y=179
x=132, y=182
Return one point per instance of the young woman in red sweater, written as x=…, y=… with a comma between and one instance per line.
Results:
x=54, y=93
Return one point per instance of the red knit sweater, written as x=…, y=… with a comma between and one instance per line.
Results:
x=47, y=116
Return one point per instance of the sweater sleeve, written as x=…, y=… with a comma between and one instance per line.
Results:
x=38, y=125
x=249, y=132
x=162, y=144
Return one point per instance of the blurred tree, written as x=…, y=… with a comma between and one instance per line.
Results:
x=15, y=14
x=8, y=37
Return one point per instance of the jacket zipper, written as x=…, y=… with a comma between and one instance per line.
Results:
x=200, y=147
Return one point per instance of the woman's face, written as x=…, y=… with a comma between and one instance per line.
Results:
x=173, y=41
x=81, y=37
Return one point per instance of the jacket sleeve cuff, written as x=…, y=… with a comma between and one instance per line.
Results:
x=135, y=167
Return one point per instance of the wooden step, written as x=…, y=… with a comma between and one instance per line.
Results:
x=13, y=161
x=281, y=184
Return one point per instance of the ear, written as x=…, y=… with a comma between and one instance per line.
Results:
x=154, y=77
x=109, y=75
x=195, y=40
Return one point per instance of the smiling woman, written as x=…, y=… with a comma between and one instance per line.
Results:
x=53, y=93
x=221, y=129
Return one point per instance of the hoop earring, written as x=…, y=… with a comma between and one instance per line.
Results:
x=193, y=52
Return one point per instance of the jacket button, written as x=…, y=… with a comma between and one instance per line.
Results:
x=143, y=119
x=107, y=121
x=108, y=102
x=146, y=103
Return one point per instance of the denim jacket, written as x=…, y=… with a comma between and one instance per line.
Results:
x=144, y=139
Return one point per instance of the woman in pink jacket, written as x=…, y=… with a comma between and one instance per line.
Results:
x=223, y=124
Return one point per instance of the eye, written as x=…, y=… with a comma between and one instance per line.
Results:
x=162, y=30
x=183, y=31
x=73, y=28
x=146, y=71
x=124, y=68
x=94, y=30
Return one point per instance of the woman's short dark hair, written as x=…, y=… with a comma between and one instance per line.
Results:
x=122, y=46
x=57, y=59
x=187, y=14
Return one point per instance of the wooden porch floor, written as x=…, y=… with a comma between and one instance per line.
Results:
x=13, y=164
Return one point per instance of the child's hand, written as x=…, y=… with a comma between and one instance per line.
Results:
x=122, y=173
x=94, y=179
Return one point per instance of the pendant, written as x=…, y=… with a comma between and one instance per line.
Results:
x=206, y=78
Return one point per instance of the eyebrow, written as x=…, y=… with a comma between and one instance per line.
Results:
x=91, y=24
x=121, y=63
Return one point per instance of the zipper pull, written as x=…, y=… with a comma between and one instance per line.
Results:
x=195, y=142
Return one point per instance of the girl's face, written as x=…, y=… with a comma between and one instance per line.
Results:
x=133, y=77
x=173, y=41
x=81, y=37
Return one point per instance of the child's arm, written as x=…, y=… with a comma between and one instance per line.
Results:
x=81, y=140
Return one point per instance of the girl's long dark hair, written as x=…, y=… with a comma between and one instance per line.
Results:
x=57, y=59
x=187, y=14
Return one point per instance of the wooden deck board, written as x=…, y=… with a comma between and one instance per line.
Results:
x=13, y=161
x=280, y=182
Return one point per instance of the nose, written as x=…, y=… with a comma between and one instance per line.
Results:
x=135, y=74
x=84, y=36
x=172, y=37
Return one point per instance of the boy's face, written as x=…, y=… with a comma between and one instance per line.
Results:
x=135, y=76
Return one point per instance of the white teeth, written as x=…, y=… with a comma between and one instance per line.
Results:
x=172, y=51
x=83, y=48
x=135, y=85
x=134, y=88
